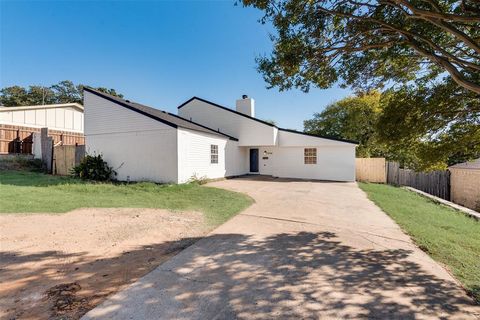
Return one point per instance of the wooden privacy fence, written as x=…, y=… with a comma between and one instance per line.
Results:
x=19, y=139
x=14, y=139
x=378, y=170
x=436, y=183
x=66, y=157
x=371, y=170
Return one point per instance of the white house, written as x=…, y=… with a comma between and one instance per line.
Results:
x=206, y=140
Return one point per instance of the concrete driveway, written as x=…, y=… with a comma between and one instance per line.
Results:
x=304, y=250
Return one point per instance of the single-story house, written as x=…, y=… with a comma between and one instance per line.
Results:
x=206, y=140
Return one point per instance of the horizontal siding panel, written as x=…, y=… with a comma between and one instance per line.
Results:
x=104, y=116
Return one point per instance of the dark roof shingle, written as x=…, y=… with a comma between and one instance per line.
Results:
x=159, y=115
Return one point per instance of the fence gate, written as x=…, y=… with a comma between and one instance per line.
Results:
x=371, y=170
x=65, y=158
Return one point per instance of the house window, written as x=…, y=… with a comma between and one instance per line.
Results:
x=310, y=155
x=213, y=153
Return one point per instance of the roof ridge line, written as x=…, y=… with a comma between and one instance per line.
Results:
x=127, y=104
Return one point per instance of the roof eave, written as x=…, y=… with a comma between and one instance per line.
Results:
x=319, y=136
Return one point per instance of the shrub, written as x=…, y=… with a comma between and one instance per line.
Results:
x=198, y=179
x=94, y=168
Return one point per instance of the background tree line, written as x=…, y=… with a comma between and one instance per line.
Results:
x=388, y=125
x=63, y=92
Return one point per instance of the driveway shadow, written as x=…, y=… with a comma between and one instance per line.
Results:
x=292, y=276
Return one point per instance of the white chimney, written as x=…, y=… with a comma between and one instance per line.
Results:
x=246, y=106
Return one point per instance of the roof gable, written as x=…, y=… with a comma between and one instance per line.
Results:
x=227, y=109
x=264, y=122
x=164, y=117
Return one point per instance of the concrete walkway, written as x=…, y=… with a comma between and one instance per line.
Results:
x=304, y=250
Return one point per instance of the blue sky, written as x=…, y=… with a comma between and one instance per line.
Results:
x=154, y=52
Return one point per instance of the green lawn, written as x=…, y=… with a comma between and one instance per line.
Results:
x=447, y=235
x=30, y=192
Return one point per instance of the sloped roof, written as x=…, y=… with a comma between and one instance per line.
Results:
x=474, y=164
x=266, y=123
x=162, y=116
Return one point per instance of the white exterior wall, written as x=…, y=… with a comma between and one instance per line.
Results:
x=194, y=155
x=335, y=159
x=55, y=118
x=336, y=163
x=249, y=132
x=237, y=161
x=137, y=147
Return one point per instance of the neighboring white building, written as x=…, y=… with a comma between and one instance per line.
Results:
x=20, y=126
x=206, y=140
x=62, y=117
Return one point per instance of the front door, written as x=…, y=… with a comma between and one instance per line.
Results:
x=253, y=160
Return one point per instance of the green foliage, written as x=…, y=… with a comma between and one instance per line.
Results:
x=426, y=52
x=352, y=118
x=367, y=44
x=42, y=193
x=447, y=235
x=62, y=92
x=423, y=129
x=94, y=168
x=195, y=178
x=440, y=122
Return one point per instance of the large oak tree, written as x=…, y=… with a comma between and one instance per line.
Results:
x=366, y=43
x=425, y=52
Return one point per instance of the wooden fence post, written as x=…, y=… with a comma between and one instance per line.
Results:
x=46, y=144
x=393, y=173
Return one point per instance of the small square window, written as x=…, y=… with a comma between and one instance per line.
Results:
x=310, y=155
x=213, y=153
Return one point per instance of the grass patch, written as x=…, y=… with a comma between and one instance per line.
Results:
x=32, y=192
x=447, y=235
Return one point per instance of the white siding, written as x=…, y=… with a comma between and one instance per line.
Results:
x=41, y=117
x=336, y=163
x=291, y=139
x=30, y=117
x=55, y=118
x=139, y=155
x=69, y=119
x=194, y=155
x=248, y=131
x=50, y=118
x=139, y=148
x=60, y=118
x=236, y=159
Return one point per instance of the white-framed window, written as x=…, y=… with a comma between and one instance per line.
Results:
x=310, y=155
x=213, y=153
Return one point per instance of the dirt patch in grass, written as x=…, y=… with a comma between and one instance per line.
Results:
x=61, y=266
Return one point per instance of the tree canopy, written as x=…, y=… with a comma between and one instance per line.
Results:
x=368, y=43
x=62, y=92
x=420, y=142
x=354, y=118
x=423, y=54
